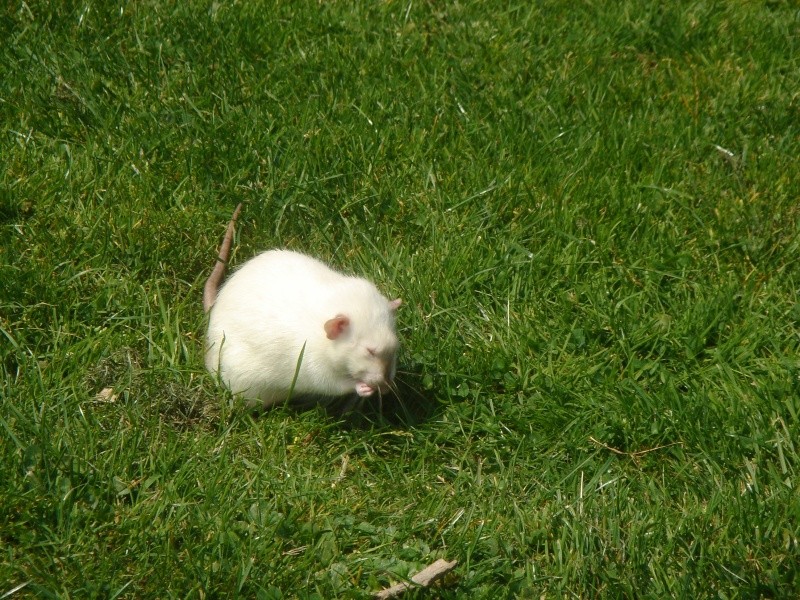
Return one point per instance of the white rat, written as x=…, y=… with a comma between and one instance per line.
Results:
x=285, y=318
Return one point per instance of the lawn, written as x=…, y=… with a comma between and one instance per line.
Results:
x=591, y=211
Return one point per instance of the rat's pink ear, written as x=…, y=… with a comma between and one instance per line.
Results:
x=335, y=326
x=395, y=304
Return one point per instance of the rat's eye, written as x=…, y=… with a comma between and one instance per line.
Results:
x=372, y=351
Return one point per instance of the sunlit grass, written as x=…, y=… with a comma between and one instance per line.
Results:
x=590, y=212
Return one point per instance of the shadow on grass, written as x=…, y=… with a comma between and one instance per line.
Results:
x=410, y=406
x=186, y=402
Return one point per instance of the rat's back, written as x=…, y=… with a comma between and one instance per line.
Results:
x=263, y=315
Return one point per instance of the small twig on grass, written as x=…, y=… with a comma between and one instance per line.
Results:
x=633, y=455
x=424, y=578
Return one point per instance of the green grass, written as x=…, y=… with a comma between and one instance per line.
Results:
x=600, y=355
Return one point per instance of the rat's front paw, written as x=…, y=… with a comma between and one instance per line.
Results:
x=364, y=389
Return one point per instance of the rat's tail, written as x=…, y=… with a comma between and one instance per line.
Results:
x=215, y=279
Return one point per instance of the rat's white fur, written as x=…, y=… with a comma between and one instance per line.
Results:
x=280, y=301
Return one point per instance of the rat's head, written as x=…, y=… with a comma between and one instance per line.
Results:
x=364, y=344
